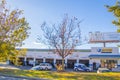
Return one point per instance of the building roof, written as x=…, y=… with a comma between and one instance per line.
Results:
x=49, y=50
x=105, y=56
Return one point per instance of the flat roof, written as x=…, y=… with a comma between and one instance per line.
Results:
x=49, y=50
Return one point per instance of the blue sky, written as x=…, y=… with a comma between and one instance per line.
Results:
x=93, y=13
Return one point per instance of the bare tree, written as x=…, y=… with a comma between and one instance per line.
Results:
x=62, y=38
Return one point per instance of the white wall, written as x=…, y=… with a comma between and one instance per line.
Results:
x=75, y=55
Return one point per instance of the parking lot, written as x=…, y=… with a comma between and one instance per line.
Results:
x=7, y=77
x=24, y=67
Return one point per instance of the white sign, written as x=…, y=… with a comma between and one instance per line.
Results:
x=104, y=37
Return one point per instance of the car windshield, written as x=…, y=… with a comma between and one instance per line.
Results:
x=42, y=64
x=45, y=64
x=82, y=66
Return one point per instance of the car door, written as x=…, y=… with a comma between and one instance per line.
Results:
x=42, y=66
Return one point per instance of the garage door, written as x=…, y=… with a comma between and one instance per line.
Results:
x=70, y=63
x=86, y=62
x=51, y=61
x=38, y=61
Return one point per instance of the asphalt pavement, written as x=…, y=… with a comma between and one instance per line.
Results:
x=7, y=77
x=4, y=77
x=15, y=67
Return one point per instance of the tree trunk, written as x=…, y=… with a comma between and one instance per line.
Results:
x=63, y=64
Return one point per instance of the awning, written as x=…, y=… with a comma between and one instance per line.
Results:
x=104, y=56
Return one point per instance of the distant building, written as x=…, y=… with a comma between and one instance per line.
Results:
x=95, y=57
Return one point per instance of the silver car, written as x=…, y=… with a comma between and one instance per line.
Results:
x=45, y=66
x=35, y=68
x=42, y=66
x=102, y=70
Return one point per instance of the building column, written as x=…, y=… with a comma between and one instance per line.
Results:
x=65, y=63
x=25, y=61
x=44, y=60
x=118, y=63
x=77, y=61
x=91, y=63
x=34, y=61
x=54, y=61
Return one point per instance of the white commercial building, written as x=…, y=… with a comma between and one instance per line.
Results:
x=95, y=57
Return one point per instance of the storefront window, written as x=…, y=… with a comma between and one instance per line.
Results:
x=108, y=63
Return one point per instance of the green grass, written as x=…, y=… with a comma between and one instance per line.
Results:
x=53, y=75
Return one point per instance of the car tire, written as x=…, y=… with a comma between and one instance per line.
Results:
x=41, y=68
x=88, y=70
x=76, y=69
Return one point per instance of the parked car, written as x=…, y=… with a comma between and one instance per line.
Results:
x=117, y=69
x=45, y=66
x=35, y=68
x=81, y=67
x=42, y=66
x=101, y=70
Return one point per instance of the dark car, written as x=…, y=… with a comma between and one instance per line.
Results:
x=81, y=67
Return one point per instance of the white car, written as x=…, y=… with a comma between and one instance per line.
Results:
x=102, y=70
x=117, y=69
x=35, y=68
x=42, y=66
x=45, y=66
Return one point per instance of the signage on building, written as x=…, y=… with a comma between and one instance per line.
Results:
x=104, y=50
x=104, y=37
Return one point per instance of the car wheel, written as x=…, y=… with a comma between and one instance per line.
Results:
x=41, y=68
x=88, y=70
x=76, y=69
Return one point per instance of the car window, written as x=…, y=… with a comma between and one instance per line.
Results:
x=79, y=66
x=48, y=64
x=84, y=66
x=42, y=64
